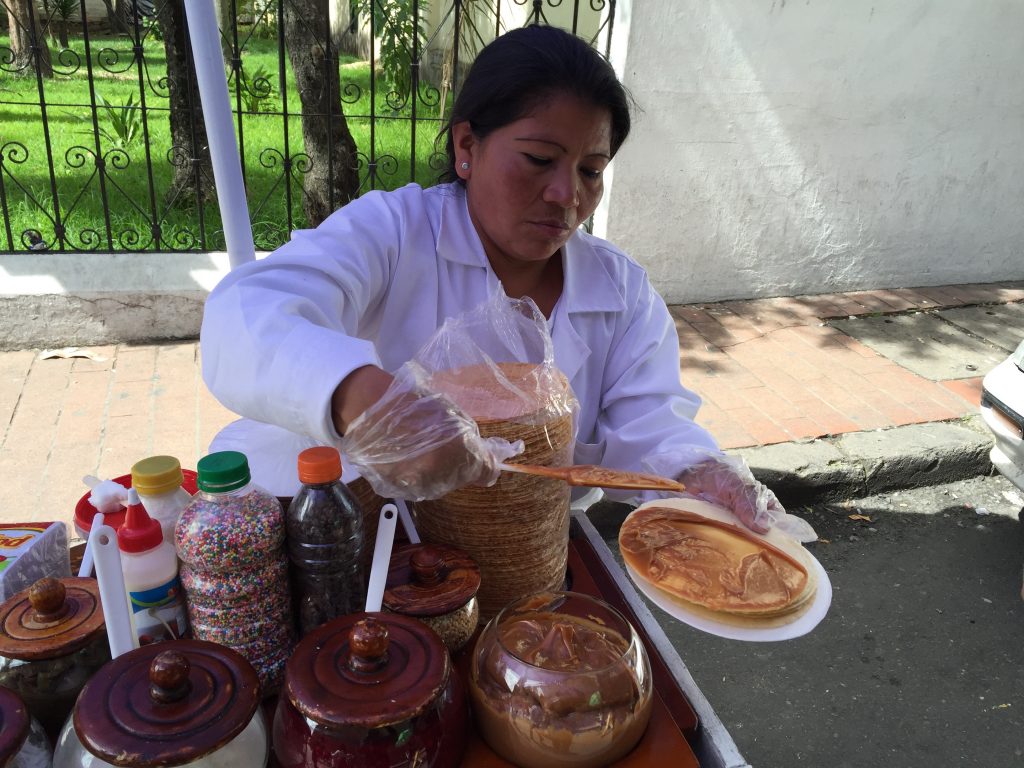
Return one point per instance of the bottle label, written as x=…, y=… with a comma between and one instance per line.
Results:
x=159, y=613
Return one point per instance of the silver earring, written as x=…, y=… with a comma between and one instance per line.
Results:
x=464, y=166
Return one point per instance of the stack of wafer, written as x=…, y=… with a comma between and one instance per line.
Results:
x=702, y=558
x=518, y=529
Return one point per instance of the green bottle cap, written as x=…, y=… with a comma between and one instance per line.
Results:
x=223, y=471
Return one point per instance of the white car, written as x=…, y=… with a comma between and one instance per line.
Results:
x=1002, y=408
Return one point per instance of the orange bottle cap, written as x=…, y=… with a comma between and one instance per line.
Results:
x=319, y=465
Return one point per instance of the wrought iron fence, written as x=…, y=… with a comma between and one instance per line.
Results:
x=102, y=142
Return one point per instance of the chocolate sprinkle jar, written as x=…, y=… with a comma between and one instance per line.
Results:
x=438, y=586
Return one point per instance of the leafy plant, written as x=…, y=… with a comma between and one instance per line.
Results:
x=262, y=16
x=65, y=10
x=123, y=123
x=397, y=27
x=56, y=15
x=474, y=24
x=255, y=87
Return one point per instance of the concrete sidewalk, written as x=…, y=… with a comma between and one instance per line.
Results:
x=801, y=397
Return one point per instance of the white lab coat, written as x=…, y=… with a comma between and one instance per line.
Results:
x=379, y=276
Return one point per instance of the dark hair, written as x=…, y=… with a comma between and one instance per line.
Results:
x=516, y=71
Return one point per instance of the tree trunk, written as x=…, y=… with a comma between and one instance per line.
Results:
x=115, y=23
x=333, y=176
x=190, y=155
x=62, y=33
x=28, y=44
x=226, y=21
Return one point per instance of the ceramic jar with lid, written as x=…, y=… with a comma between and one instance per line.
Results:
x=23, y=744
x=438, y=586
x=181, y=702
x=371, y=691
x=52, y=640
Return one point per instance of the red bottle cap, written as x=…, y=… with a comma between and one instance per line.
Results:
x=139, y=532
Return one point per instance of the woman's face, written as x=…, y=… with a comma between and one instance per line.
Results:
x=532, y=182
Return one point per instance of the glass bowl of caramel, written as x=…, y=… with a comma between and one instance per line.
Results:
x=560, y=679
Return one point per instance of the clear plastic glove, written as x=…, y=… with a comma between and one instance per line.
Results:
x=728, y=482
x=416, y=444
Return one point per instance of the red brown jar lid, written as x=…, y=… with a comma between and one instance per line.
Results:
x=53, y=617
x=14, y=724
x=430, y=580
x=367, y=670
x=166, y=704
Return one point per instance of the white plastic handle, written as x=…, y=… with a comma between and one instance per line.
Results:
x=407, y=523
x=381, y=558
x=115, y=602
x=85, y=571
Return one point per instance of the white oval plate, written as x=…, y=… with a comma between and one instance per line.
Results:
x=800, y=625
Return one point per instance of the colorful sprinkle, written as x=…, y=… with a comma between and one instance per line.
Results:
x=235, y=575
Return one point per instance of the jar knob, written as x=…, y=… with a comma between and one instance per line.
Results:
x=47, y=597
x=369, y=645
x=427, y=566
x=168, y=677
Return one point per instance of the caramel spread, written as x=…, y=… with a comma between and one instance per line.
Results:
x=557, y=691
x=712, y=563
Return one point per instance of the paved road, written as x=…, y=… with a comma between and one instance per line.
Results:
x=920, y=661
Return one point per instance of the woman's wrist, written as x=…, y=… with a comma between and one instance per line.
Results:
x=356, y=393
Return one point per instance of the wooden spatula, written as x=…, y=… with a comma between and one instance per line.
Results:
x=591, y=476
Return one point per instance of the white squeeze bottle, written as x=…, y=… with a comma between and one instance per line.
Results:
x=150, y=567
x=158, y=480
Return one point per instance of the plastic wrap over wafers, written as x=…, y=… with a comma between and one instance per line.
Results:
x=496, y=364
x=497, y=361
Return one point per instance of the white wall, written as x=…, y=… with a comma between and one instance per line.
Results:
x=807, y=146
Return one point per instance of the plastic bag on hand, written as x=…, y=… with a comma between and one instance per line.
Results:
x=728, y=482
x=419, y=441
x=416, y=444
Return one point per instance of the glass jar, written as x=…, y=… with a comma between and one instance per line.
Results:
x=23, y=743
x=52, y=640
x=438, y=586
x=371, y=691
x=181, y=702
x=560, y=679
x=325, y=542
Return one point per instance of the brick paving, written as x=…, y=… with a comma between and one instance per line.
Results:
x=61, y=419
x=769, y=371
x=772, y=370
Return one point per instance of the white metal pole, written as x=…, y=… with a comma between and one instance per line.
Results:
x=220, y=130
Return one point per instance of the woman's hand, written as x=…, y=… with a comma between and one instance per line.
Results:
x=412, y=442
x=728, y=482
x=358, y=392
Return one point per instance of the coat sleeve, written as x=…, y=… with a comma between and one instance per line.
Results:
x=645, y=410
x=279, y=334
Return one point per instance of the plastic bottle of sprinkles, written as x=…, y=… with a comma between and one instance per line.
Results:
x=230, y=539
x=325, y=542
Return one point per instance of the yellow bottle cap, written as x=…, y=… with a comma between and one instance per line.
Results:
x=156, y=475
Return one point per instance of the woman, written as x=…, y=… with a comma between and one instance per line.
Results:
x=310, y=339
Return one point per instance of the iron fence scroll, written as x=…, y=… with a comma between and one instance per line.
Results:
x=102, y=143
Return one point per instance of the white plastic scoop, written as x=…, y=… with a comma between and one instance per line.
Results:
x=381, y=558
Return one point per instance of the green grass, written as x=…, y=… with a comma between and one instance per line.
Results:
x=132, y=202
